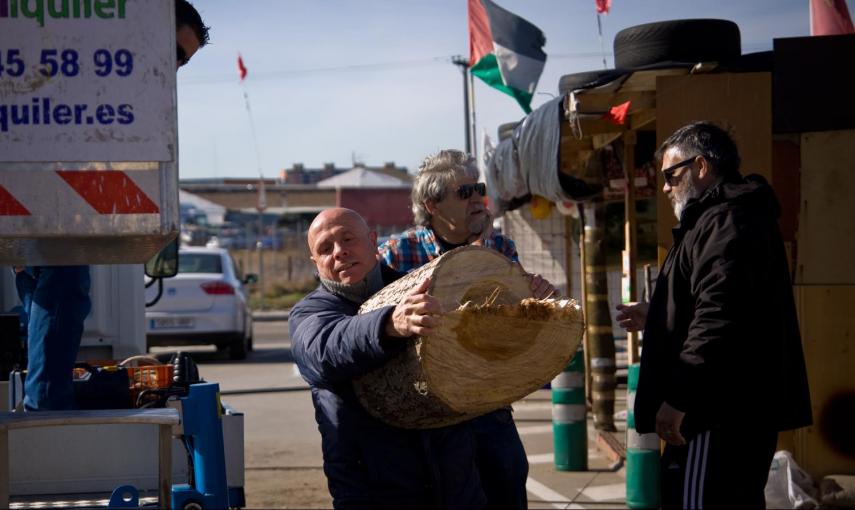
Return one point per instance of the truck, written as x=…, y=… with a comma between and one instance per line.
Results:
x=89, y=176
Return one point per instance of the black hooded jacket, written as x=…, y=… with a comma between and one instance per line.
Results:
x=722, y=342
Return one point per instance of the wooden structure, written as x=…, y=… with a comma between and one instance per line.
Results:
x=585, y=132
x=494, y=345
x=793, y=124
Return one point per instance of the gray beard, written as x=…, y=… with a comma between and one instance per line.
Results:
x=476, y=227
x=690, y=191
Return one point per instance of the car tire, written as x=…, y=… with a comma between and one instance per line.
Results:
x=683, y=40
x=588, y=79
x=239, y=347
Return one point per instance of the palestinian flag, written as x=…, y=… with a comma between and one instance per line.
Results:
x=505, y=50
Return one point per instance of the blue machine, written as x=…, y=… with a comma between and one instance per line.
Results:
x=203, y=438
x=203, y=434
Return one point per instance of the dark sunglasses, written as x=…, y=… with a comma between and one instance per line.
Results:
x=465, y=190
x=181, y=56
x=668, y=173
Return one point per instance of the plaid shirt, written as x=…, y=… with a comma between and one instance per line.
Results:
x=417, y=246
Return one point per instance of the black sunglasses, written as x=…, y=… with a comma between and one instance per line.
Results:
x=668, y=173
x=181, y=56
x=465, y=190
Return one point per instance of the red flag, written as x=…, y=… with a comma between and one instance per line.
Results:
x=241, y=68
x=603, y=6
x=480, y=36
x=830, y=17
x=617, y=114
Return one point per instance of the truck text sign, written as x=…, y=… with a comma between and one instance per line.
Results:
x=87, y=80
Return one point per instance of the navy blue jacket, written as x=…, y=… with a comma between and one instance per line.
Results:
x=368, y=463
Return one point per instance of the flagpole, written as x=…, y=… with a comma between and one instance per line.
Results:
x=602, y=47
x=260, y=238
x=252, y=130
x=467, y=127
x=471, y=114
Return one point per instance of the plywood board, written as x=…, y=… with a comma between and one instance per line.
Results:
x=813, y=86
x=739, y=101
x=828, y=337
x=825, y=244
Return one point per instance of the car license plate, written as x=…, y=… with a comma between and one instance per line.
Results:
x=173, y=323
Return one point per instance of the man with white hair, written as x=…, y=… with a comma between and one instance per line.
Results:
x=369, y=464
x=449, y=209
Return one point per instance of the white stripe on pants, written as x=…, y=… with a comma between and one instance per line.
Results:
x=696, y=468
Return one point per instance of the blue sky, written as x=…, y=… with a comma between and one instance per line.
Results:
x=371, y=80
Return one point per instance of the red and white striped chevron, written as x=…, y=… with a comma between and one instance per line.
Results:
x=82, y=192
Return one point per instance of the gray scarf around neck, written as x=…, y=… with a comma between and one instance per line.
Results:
x=360, y=291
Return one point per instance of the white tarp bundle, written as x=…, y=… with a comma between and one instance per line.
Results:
x=527, y=162
x=788, y=485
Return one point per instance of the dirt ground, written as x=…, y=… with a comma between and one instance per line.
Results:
x=293, y=488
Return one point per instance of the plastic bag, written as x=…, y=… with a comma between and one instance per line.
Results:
x=789, y=486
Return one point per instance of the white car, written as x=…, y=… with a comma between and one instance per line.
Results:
x=205, y=303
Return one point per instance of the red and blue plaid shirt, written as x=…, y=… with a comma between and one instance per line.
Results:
x=417, y=246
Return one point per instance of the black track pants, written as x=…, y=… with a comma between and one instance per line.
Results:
x=719, y=468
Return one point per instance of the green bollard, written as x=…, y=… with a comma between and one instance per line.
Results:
x=642, y=455
x=569, y=417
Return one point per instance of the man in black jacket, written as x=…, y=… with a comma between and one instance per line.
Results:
x=722, y=369
x=371, y=465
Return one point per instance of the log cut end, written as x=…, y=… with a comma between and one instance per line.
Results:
x=495, y=345
x=488, y=355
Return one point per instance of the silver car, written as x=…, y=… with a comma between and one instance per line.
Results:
x=205, y=303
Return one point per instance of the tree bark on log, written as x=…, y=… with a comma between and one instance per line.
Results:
x=599, y=327
x=494, y=346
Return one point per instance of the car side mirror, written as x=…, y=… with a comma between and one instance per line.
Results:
x=165, y=263
x=250, y=278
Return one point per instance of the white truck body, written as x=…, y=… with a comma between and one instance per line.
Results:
x=88, y=176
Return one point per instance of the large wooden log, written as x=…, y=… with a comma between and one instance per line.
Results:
x=494, y=346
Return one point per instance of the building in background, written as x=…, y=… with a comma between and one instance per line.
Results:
x=380, y=194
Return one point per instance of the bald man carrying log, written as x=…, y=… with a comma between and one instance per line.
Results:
x=368, y=463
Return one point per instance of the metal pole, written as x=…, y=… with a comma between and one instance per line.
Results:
x=472, y=129
x=602, y=48
x=569, y=398
x=586, y=345
x=260, y=247
x=467, y=127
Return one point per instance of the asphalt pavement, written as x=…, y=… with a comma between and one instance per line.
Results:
x=283, y=447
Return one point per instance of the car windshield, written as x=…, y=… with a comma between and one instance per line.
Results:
x=200, y=263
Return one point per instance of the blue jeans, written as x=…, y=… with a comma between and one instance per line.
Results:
x=56, y=301
x=501, y=460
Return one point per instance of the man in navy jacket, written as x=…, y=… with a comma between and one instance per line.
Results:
x=368, y=463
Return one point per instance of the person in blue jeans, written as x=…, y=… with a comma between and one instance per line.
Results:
x=56, y=299
x=56, y=302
